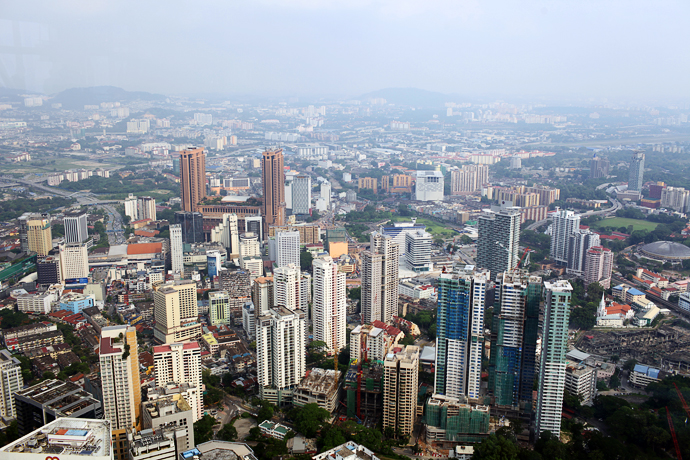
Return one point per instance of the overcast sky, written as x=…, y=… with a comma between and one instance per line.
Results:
x=634, y=50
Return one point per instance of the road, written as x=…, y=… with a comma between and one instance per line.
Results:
x=84, y=198
x=616, y=206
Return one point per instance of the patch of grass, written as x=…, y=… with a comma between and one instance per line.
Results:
x=618, y=222
x=436, y=229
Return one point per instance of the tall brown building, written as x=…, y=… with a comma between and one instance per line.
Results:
x=273, y=178
x=192, y=178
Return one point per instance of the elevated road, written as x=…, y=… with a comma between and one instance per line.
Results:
x=616, y=205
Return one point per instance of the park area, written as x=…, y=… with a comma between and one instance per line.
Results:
x=436, y=229
x=618, y=222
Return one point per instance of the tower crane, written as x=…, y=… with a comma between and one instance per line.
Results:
x=673, y=434
x=682, y=400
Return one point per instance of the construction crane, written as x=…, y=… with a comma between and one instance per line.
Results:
x=673, y=434
x=682, y=400
x=522, y=258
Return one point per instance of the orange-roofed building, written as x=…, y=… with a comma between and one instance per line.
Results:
x=144, y=248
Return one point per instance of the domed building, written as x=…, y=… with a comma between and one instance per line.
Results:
x=665, y=251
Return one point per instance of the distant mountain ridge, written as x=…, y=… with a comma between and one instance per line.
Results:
x=77, y=98
x=413, y=97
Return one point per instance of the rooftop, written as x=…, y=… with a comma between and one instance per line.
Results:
x=220, y=450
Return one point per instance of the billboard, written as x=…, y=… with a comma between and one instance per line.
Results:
x=77, y=281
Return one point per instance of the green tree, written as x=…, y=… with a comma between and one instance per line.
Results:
x=355, y=293
x=309, y=419
x=228, y=432
x=464, y=239
x=630, y=364
x=203, y=429
x=495, y=448
x=305, y=260
x=266, y=412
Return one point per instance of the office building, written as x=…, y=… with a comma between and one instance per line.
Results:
x=255, y=224
x=514, y=337
x=379, y=300
x=287, y=249
x=39, y=235
x=249, y=245
x=397, y=231
x=598, y=167
x=498, y=238
x=273, y=179
x=468, y=179
x=131, y=208
x=180, y=363
x=120, y=383
x=48, y=271
x=176, y=248
x=598, y=266
x=192, y=224
x=192, y=178
x=565, y=223
x=176, y=312
x=11, y=382
x=429, y=186
x=460, y=333
x=418, y=251
x=301, y=194
x=329, y=307
x=400, y=389
x=146, y=208
x=170, y=411
x=554, y=344
x=636, y=178
x=281, y=352
x=580, y=241
x=76, y=229
x=39, y=303
x=150, y=445
x=48, y=400
x=66, y=438
x=219, y=308
x=226, y=233
x=74, y=261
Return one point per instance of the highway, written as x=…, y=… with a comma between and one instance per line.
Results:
x=616, y=206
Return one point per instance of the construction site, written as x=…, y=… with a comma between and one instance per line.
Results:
x=364, y=392
x=319, y=386
x=667, y=347
x=449, y=421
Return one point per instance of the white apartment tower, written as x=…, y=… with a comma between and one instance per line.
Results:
x=287, y=288
x=287, y=249
x=580, y=241
x=176, y=248
x=11, y=381
x=468, y=179
x=329, y=305
x=146, y=208
x=565, y=223
x=226, y=234
x=400, y=389
x=552, y=368
x=180, y=363
x=131, y=208
x=176, y=312
x=380, y=279
x=76, y=227
x=418, y=251
x=498, y=238
x=598, y=266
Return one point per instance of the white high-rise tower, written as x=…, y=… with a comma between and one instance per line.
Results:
x=329, y=304
x=380, y=279
x=176, y=248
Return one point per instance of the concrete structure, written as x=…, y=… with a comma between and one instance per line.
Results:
x=598, y=167
x=192, y=224
x=348, y=451
x=379, y=300
x=400, y=388
x=675, y=198
x=553, y=348
x=498, y=239
x=192, y=178
x=150, y=445
x=40, y=304
x=76, y=303
x=227, y=234
x=598, y=266
x=39, y=235
x=468, y=179
x=287, y=249
x=642, y=375
x=429, y=186
x=176, y=249
x=273, y=180
x=329, y=309
x=220, y=450
x=581, y=380
x=452, y=420
x=146, y=208
x=301, y=194
x=636, y=178
x=180, y=363
x=48, y=271
x=76, y=230
x=74, y=261
x=565, y=223
x=131, y=208
x=249, y=319
x=399, y=230
x=262, y=295
x=320, y=387
x=460, y=333
x=176, y=312
x=219, y=308
x=370, y=343
x=418, y=251
x=11, y=381
x=580, y=241
x=288, y=289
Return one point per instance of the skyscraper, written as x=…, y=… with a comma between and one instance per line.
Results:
x=418, y=251
x=598, y=266
x=554, y=342
x=180, y=363
x=227, y=234
x=192, y=224
x=131, y=209
x=192, y=178
x=429, y=186
x=76, y=229
x=273, y=187
x=287, y=249
x=287, y=288
x=636, y=178
x=514, y=337
x=380, y=279
x=301, y=194
x=329, y=307
x=11, y=381
x=120, y=383
x=498, y=238
x=262, y=295
x=579, y=242
x=598, y=167
x=219, y=308
x=460, y=333
x=280, y=350
x=74, y=261
x=176, y=312
x=565, y=223
x=468, y=179
x=39, y=235
x=400, y=389
x=176, y=248
x=146, y=208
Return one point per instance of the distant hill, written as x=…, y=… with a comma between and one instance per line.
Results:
x=12, y=95
x=77, y=98
x=413, y=97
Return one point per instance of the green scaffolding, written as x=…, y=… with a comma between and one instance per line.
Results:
x=457, y=427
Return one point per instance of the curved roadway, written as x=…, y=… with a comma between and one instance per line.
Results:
x=616, y=206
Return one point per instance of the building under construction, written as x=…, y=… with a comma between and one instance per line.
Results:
x=364, y=392
x=449, y=421
x=319, y=386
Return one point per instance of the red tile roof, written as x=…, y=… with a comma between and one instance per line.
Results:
x=144, y=248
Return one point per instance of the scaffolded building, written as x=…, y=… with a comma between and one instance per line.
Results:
x=450, y=419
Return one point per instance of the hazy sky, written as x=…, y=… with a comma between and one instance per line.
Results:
x=558, y=48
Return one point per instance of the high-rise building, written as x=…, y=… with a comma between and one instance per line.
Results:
x=552, y=366
x=131, y=208
x=579, y=242
x=636, y=178
x=280, y=350
x=429, y=186
x=76, y=228
x=418, y=251
x=48, y=271
x=180, y=363
x=329, y=307
x=11, y=381
x=255, y=225
x=676, y=198
x=565, y=223
x=400, y=389
x=120, y=383
x=176, y=312
x=273, y=178
x=379, y=300
x=176, y=248
x=598, y=167
x=219, y=308
x=287, y=288
x=74, y=261
x=192, y=224
x=468, y=179
x=39, y=235
x=460, y=333
x=167, y=410
x=498, y=239
x=262, y=295
x=325, y=193
x=287, y=249
x=598, y=266
x=146, y=208
x=301, y=194
x=192, y=178
x=514, y=337
x=227, y=234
